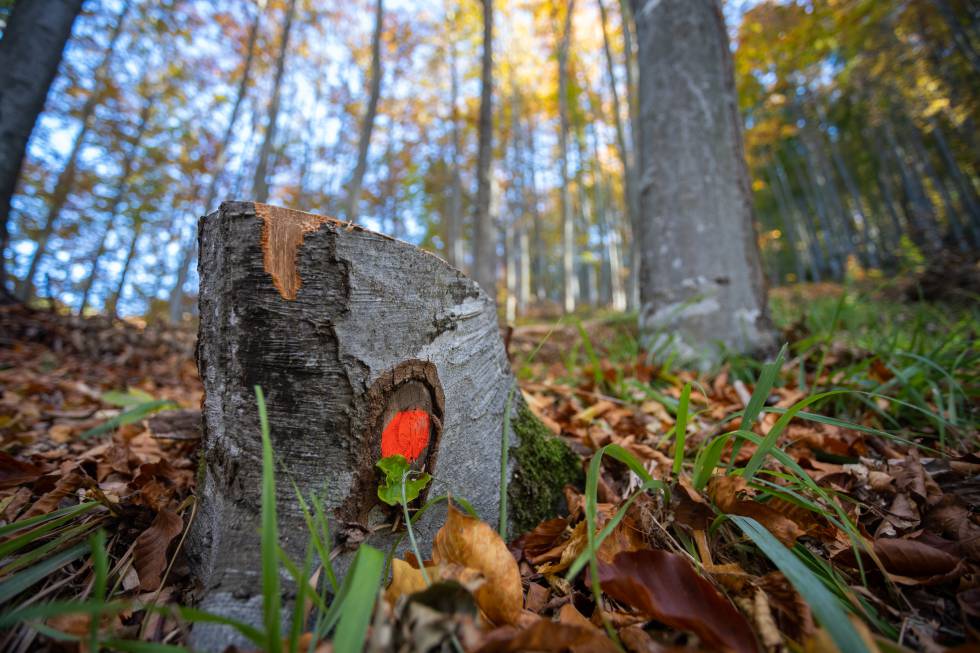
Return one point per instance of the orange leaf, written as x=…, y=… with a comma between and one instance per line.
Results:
x=472, y=543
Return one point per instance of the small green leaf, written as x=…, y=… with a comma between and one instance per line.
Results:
x=128, y=399
x=390, y=490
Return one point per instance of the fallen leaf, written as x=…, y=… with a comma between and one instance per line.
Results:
x=67, y=484
x=726, y=492
x=472, y=543
x=150, y=548
x=664, y=586
x=547, y=637
x=15, y=472
x=916, y=560
x=405, y=579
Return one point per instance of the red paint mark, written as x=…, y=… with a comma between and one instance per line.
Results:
x=407, y=434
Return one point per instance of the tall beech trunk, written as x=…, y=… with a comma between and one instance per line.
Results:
x=112, y=305
x=260, y=184
x=292, y=302
x=370, y=113
x=454, y=227
x=122, y=187
x=188, y=250
x=701, y=280
x=30, y=52
x=565, y=201
x=484, y=238
x=923, y=226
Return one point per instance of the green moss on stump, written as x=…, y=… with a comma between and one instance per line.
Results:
x=544, y=465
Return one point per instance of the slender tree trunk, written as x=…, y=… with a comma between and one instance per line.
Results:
x=632, y=102
x=610, y=233
x=454, y=230
x=833, y=232
x=188, y=250
x=540, y=290
x=510, y=268
x=968, y=197
x=121, y=189
x=112, y=306
x=567, y=219
x=817, y=259
x=963, y=41
x=958, y=230
x=823, y=233
x=702, y=279
x=625, y=153
x=786, y=218
x=367, y=125
x=260, y=185
x=38, y=35
x=524, y=294
x=484, y=241
x=924, y=228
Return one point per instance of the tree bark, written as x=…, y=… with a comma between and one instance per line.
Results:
x=701, y=281
x=567, y=219
x=484, y=240
x=342, y=327
x=188, y=251
x=260, y=185
x=367, y=125
x=30, y=52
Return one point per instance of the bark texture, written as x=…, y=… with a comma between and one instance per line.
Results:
x=30, y=51
x=702, y=288
x=334, y=322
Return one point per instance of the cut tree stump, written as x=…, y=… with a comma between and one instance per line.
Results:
x=363, y=346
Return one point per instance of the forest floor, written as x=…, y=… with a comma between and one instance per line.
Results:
x=827, y=500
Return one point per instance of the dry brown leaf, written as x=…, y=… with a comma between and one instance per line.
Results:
x=472, y=543
x=547, y=637
x=150, y=548
x=664, y=586
x=66, y=485
x=918, y=561
x=725, y=491
x=15, y=472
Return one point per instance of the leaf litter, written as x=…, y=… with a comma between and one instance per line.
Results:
x=884, y=517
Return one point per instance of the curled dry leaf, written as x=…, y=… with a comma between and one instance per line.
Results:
x=67, y=484
x=472, y=543
x=150, y=548
x=664, y=586
x=917, y=562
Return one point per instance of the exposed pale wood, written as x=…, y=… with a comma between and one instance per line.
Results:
x=283, y=232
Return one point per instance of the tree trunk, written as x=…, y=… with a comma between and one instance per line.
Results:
x=923, y=226
x=484, y=240
x=343, y=329
x=454, y=228
x=121, y=189
x=540, y=291
x=30, y=52
x=567, y=219
x=702, y=280
x=968, y=197
x=367, y=126
x=787, y=219
x=260, y=185
x=188, y=251
x=112, y=305
x=626, y=155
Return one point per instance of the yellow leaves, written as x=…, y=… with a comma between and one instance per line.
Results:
x=469, y=551
x=472, y=543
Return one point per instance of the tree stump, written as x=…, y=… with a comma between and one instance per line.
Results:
x=364, y=346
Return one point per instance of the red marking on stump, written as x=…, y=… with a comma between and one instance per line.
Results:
x=407, y=434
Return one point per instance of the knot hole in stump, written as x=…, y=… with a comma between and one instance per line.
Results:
x=405, y=408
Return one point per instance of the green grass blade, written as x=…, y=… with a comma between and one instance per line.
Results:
x=134, y=414
x=17, y=583
x=70, y=511
x=826, y=608
x=252, y=634
x=100, y=567
x=270, y=533
x=358, y=606
x=680, y=428
x=707, y=459
x=761, y=392
x=769, y=442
